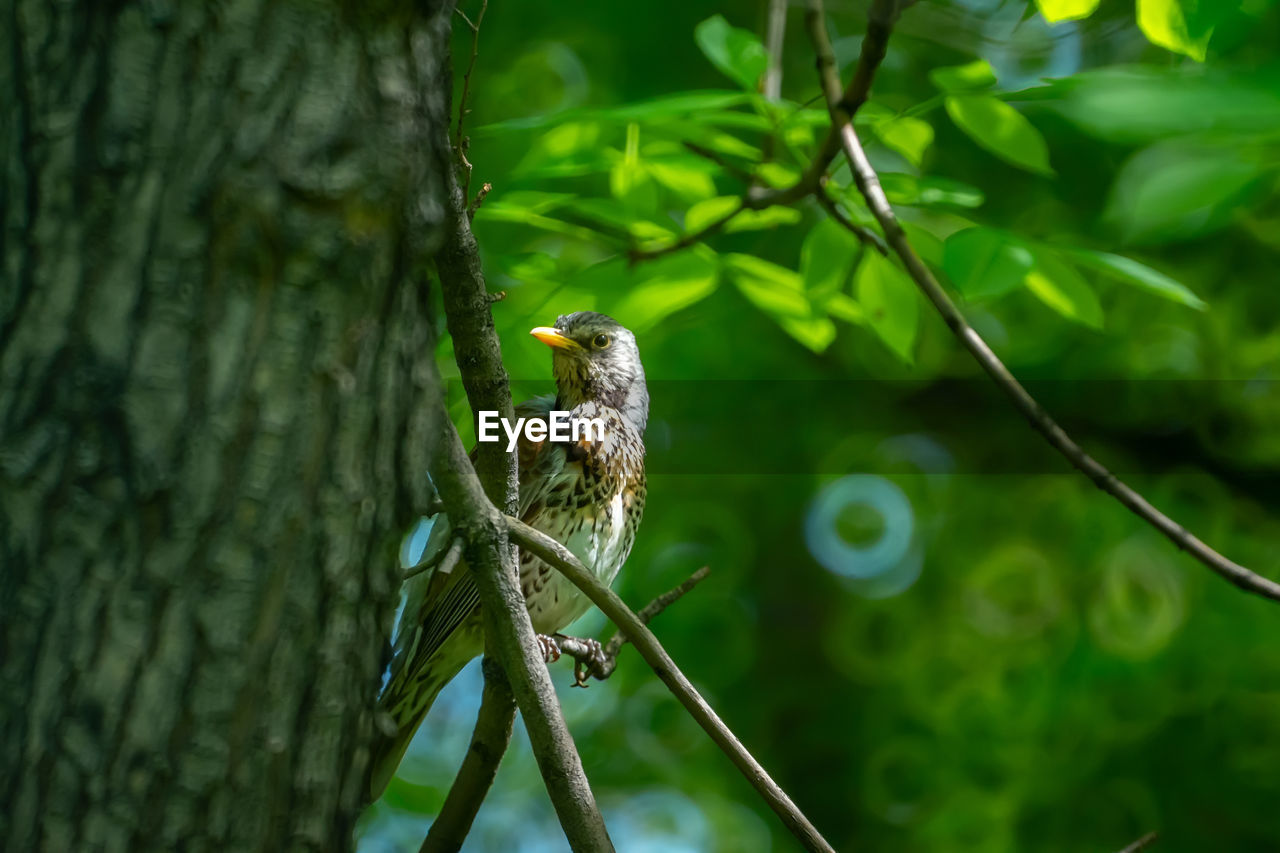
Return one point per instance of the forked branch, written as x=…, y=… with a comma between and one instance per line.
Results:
x=868, y=184
x=562, y=559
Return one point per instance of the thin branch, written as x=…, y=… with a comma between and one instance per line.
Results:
x=491, y=560
x=475, y=776
x=720, y=160
x=775, y=33
x=869, y=185
x=446, y=557
x=1142, y=843
x=477, y=519
x=866, y=235
x=688, y=239
x=599, y=662
x=485, y=189
x=880, y=20
x=882, y=15
x=463, y=143
x=554, y=554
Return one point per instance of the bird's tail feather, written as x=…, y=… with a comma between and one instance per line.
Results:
x=406, y=715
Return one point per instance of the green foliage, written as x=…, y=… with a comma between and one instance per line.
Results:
x=1039, y=671
x=1000, y=129
x=736, y=52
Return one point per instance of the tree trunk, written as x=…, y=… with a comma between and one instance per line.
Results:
x=214, y=340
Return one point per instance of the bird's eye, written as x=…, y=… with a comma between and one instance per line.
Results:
x=600, y=341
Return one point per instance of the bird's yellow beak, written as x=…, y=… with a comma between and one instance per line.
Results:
x=552, y=338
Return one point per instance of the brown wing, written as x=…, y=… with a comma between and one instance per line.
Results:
x=439, y=601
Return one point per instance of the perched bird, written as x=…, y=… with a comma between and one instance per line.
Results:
x=588, y=494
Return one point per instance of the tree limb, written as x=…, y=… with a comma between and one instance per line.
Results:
x=869, y=185
x=688, y=239
x=475, y=776
x=1142, y=843
x=463, y=142
x=557, y=555
x=882, y=15
x=866, y=235
x=491, y=560
x=601, y=664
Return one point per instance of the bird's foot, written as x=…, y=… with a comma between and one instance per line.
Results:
x=588, y=656
x=549, y=647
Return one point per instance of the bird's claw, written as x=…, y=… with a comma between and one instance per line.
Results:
x=583, y=666
x=549, y=647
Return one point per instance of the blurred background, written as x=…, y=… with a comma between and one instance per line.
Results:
x=932, y=632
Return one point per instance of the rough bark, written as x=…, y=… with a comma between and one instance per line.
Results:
x=214, y=353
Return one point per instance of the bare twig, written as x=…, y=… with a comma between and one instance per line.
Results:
x=447, y=557
x=477, y=519
x=866, y=235
x=775, y=33
x=882, y=15
x=1142, y=843
x=688, y=239
x=599, y=663
x=554, y=554
x=485, y=189
x=869, y=185
x=721, y=161
x=475, y=776
x=463, y=143
x=491, y=560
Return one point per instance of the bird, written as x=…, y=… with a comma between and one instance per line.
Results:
x=588, y=494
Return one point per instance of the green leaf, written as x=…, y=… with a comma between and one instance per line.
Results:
x=1131, y=272
x=816, y=333
x=974, y=76
x=763, y=220
x=1002, y=130
x=929, y=192
x=657, y=289
x=781, y=289
x=1139, y=104
x=1066, y=10
x=910, y=137
x=699, y=104
x=888, y=300
x=983, y=262
x=704, y=213
x=927, y=244
x=1164, y=22
x=779, y=292
x=736, y=52
x=1171, y=191
x=826, y=257
x=689, y=181
x=1059, y=286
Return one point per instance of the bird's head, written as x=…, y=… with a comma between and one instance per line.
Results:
x=595, y=360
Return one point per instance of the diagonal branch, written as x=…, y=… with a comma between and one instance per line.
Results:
x=475, y=776
x=491, y=558
x=463, y=142
x=509, y=633
x=1142, y=843
x=599, y=662
x=882, y=15
x=554, y=554
x=688, y=239
x=869, y=185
